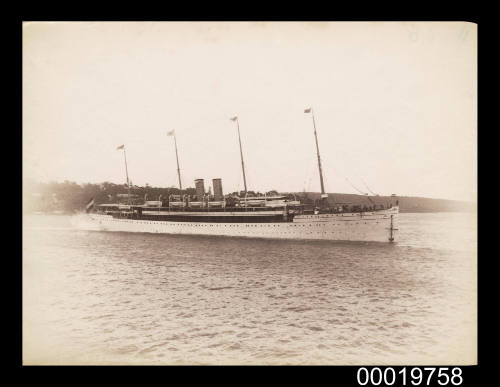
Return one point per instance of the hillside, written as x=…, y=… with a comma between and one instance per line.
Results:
x=406, y=203
x=69, y=197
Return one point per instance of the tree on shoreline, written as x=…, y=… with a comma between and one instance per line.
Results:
x=72, y=197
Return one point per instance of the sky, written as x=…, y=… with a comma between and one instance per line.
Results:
x=395, y=104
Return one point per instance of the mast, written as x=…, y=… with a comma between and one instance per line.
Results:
x=235, y=118
x=323, y=194
x=172, y=133
x=177, y=158
x=126, y=170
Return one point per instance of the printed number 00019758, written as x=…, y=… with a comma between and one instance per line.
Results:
x=417, y=376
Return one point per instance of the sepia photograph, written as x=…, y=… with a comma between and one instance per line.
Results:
x=249, y=193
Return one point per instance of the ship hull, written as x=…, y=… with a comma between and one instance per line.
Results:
x=377, y=226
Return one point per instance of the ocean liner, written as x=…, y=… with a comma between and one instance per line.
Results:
x=276, y=216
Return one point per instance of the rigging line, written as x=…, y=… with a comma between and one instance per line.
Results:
x=334, y=171
x=310, y=166
x=353, y=186
x=308, y=184
x=364, y=183
x=307, y=175
x=325, y=178
x=364, y=193
x=341, y=153
x=368, y=188
x=239, y=178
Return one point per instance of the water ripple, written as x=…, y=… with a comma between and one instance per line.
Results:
x=118, y=298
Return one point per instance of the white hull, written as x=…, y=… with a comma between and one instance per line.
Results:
x=377, y=226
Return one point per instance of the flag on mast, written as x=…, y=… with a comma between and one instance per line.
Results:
x=171, y=133
x=121, y=147
x=308, y=110
x=234, y=118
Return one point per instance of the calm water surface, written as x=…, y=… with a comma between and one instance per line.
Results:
x=119, y=298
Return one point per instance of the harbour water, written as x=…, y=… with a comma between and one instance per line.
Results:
x=125, y=298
